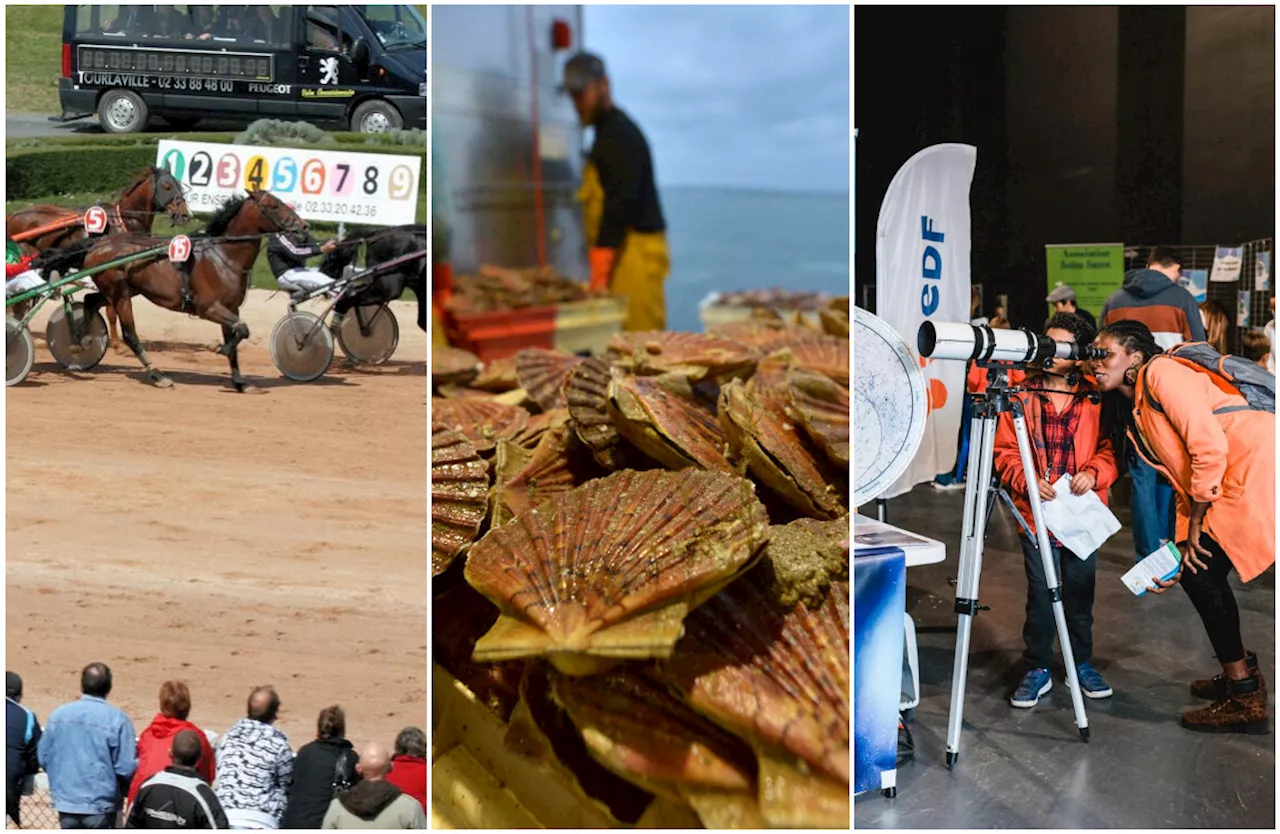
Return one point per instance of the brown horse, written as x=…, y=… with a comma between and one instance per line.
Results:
x=151, y=191
x=218, y=273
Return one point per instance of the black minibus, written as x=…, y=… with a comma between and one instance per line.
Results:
x=356, y=67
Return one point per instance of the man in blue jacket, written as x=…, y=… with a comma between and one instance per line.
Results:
x=89, y=751
x=22, y=734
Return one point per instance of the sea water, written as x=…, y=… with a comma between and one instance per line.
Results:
x=730, y=239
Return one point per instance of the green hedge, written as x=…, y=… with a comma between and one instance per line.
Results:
x=73, y=165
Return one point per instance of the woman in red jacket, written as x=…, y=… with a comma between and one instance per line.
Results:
x=1064, y=426
x=409, y=765
x=154, y=743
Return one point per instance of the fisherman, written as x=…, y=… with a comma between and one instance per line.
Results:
x=621, y=212
x=287, y=254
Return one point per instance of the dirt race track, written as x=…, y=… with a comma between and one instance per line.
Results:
x=226, y=539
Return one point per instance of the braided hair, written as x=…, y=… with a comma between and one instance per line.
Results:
x=1117, y=411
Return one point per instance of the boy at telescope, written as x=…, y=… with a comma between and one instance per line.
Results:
x=1064, y=424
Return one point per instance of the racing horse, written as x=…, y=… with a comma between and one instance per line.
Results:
x=151, y=191
x=381, y=246
x=217, y=274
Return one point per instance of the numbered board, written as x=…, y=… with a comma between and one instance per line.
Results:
x=336, y=186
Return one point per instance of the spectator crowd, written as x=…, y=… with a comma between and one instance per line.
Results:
x=176, y=775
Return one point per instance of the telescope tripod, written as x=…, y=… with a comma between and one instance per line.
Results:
x=979, y=498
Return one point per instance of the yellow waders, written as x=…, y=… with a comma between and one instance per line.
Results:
x=641, y=266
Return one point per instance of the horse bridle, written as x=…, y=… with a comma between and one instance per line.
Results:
x=269, y=212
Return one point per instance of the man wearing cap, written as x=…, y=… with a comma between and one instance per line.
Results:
x=621, y=213
x=1063, y=299
x=22, y=734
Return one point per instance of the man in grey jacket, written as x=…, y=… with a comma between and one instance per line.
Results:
x=374, y=803
x=1154, y=297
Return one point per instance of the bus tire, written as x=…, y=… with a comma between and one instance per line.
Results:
x=376, y=116
x=122, y=111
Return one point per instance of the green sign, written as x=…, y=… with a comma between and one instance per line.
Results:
x=1093, y=270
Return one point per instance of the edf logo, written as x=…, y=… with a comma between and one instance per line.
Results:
x=930, y=267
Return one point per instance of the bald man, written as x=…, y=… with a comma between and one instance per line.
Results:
x=255, y=765
x=374, y=803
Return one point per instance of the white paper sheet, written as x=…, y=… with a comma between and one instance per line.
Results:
x=1081, y=522
x=1162, y=565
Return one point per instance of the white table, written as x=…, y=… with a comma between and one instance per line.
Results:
x=870, y=534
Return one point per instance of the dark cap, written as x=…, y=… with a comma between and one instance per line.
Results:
x=581, y=70
x=12, y=685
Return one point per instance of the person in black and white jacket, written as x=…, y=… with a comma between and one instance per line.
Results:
x=177, y=797
x=287, y=258
x=255, y=766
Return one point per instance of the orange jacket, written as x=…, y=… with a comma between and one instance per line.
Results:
x=1093, y=452
x=1226, y=460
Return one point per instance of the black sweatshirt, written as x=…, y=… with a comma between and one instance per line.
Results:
x=621, y=157
x=284, y=253
x=176, y=797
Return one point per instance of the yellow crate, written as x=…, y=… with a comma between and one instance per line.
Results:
x=476, y=782
x=589, y=325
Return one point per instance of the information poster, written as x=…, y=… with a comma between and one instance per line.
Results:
x=365, y=188
x=1227, y=261
x=1093, y=270
x=1262, y=272
x=1242, y=308
x=1197, y=283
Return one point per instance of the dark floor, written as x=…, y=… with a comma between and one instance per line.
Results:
x=1029, y=768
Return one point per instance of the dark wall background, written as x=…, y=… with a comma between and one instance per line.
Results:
x=1093, y=124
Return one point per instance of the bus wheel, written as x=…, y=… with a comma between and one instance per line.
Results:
x=375, y=117
x=122, y=111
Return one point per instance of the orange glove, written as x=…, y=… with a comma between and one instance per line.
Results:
x=601, y=259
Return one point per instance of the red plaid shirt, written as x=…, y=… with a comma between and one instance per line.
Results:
x=1058, y=433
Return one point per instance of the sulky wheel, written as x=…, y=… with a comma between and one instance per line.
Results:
x=67, y=349
x=369, y=335
x=19, y=351
x=301, y=346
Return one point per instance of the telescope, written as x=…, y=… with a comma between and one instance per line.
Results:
x=964, y=342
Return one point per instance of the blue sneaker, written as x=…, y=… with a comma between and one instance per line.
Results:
x=1034, y=684
x=1091, y=683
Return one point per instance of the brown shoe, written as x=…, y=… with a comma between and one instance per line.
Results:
x=1215, y=688
x=1244, y=710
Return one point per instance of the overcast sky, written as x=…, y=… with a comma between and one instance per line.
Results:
x=744, y=96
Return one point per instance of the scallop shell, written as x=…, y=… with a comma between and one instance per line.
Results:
x=824, y=354
x=770, y=385
x=459, y=496
x=525, y=478
x=451, y=364
x=835, y=317
x=498, y=376
x=454, y=391
x=538, y=425
x=756, y=332
x=587, y=392
x=609, y=570
x=635, y=727
x=771, y=448
x=541, y=731
x=542, y=373
x=822, y=409
x=692, y=355
x=482, y=421
x=804, y=558
x=778, y=678
x=668, y=428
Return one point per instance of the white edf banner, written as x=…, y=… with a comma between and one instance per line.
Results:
x=365, y=188
x=922, y=272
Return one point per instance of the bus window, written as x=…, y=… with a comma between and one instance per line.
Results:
x=394, y=26
x=323, y=31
